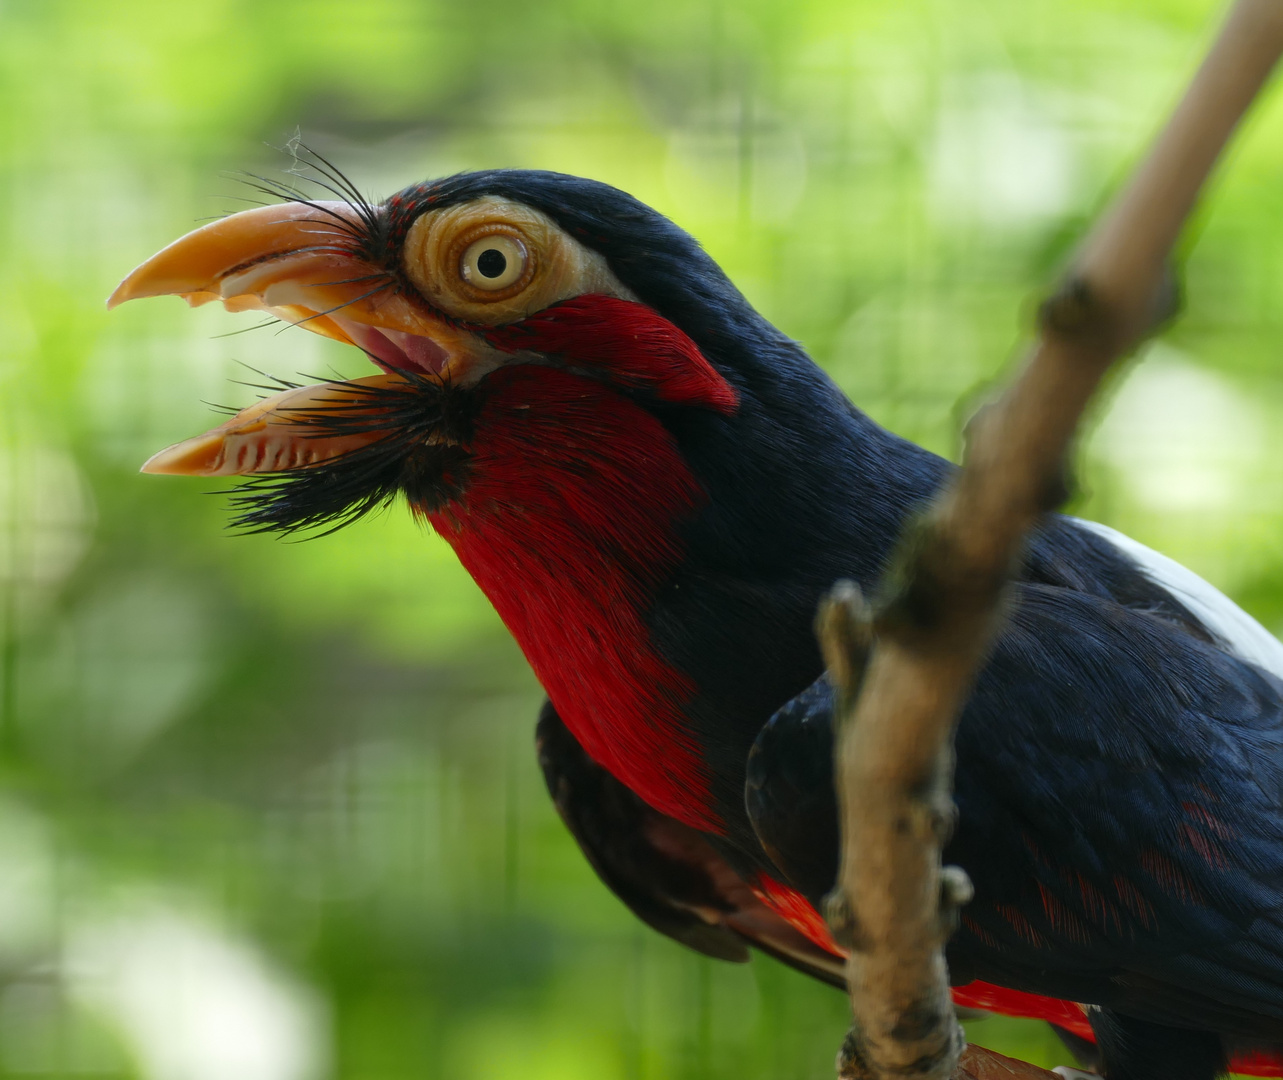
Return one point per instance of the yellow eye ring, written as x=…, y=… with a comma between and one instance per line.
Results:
x=497, y=264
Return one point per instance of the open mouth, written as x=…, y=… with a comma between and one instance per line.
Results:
x=395, y=350
x=297, y=262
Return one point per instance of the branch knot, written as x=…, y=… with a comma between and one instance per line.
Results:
x=955, y=891
x=1075, y=312
x=844, y=625
x=840, y=918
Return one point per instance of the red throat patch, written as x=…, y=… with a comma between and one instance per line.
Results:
x=569, y=525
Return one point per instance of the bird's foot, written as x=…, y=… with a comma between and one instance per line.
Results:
x=1074, y=1074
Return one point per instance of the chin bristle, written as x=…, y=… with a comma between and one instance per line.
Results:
x=425, y=425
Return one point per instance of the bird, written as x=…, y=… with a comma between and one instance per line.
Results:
x=655, y=487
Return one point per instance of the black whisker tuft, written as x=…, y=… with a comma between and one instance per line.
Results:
x=421, y=452
x=332, y=179
x=358, y=232
x=365, y=232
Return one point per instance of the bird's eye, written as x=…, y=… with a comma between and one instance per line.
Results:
x=494, y=262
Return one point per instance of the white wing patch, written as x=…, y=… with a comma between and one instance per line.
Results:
x=1241, y=634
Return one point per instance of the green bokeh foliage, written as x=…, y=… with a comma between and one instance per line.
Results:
x=307, y=766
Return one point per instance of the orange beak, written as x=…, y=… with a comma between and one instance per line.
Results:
x=277, y=434
x=296, y=261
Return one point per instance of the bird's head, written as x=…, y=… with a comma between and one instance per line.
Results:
x=650, y=482
x=444, y=285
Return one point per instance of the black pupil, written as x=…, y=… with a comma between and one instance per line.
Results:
x=492, y=263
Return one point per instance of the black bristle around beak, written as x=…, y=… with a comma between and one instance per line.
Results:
x=422, y=453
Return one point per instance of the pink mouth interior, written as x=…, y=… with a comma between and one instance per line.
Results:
x=396, y=350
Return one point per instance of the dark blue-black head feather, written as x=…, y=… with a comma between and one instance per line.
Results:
x=659, y=262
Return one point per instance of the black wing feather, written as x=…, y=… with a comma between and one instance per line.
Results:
x=666, y=872
x=1118, y=784
x=789, y=791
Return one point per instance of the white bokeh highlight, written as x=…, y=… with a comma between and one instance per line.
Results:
x=195, y=1002
x=1182, y=438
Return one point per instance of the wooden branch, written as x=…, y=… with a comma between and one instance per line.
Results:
x=895, y=906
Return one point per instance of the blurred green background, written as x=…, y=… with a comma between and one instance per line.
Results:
x=269, y=810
